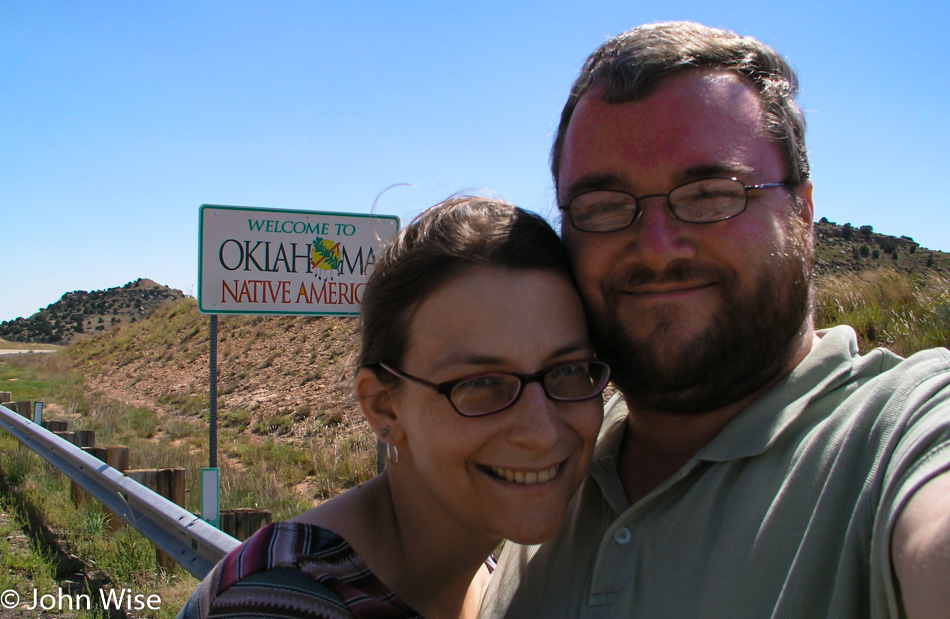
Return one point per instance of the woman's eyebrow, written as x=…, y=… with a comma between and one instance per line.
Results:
x=466, y=357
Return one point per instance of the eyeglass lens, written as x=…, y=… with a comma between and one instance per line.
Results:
x=495, y=391
x=706, y=200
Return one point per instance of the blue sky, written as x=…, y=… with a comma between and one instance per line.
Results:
x=119, y=119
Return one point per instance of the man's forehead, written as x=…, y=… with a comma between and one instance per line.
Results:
x=701, y=90
x=693, y=119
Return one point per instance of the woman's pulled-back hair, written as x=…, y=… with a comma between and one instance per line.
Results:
x=456, y=235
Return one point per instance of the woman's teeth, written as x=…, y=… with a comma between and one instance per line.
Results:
x=527, y=478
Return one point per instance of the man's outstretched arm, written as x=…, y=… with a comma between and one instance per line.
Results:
x=921, y=551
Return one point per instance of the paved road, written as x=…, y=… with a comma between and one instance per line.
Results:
x=21, y=352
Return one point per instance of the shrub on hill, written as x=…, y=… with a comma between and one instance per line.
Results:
x=81, y=312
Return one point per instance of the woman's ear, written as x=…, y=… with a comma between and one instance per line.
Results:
x=376, y=400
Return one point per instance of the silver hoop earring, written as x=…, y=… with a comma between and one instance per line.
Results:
x=392, y=453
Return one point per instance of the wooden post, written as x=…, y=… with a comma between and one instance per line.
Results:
x=96, y=452
x=24, y=409
x=66, y=436
x=84, y=438
x=117, y=456
x=55, y=426
x=5, y=398
x=169, y=483
x=241, y=523
x=76, y=493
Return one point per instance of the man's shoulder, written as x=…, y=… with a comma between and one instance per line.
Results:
x=837, y=361
x=926, y=367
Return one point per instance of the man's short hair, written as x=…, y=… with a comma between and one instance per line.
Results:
x=631, y=66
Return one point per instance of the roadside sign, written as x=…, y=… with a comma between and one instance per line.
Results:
x=274, y=261
x=210, y=508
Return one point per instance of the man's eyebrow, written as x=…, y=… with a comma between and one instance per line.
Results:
x=723, y=169
x=593, y=182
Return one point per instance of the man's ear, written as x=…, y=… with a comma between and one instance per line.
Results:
x=376, y=400
x=806, y=208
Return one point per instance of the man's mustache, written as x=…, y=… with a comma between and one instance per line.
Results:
x=681, y=272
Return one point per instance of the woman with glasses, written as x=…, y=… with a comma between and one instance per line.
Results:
x=477, y=373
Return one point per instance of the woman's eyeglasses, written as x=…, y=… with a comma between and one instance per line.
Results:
x=492, y=392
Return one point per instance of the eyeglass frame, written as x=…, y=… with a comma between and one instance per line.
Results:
x=445, y=388
x=638, y=210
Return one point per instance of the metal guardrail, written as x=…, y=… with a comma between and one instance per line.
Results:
x=193, y=543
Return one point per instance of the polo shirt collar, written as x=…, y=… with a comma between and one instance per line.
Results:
x=828, y=365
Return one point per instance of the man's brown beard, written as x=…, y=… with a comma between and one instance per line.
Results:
x=748, y=344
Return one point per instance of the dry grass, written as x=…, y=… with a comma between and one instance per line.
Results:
x=902, y=311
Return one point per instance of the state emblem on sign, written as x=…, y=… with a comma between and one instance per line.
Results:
x=325, y=254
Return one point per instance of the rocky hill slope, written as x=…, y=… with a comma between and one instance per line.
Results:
x=80, y=312
x=848, y=248
x=285, y=376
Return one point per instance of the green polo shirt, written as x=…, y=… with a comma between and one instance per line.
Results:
x=788, y=512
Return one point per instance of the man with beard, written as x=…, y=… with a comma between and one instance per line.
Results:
x=753, y=467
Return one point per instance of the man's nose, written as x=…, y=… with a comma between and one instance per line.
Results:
x=658, y=237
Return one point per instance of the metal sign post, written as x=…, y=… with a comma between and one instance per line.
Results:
x=213, y=392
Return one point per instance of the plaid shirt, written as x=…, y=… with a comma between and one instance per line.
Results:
x=294, y=570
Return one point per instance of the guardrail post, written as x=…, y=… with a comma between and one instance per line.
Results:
x=66, y=436
x=169, y=483
x=84, y=438
x=81, y=439
x=6, y=397
x=117, y=456
x=241, y=523
x=76, y=493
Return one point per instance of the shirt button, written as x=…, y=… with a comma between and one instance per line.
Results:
x=622, y=536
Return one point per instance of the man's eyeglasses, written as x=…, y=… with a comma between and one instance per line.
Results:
x=491, y=392
x=698, y=202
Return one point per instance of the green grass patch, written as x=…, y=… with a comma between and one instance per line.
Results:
x=47, y=543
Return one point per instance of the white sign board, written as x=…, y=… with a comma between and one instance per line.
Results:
x=210, y=508
x=273, y=261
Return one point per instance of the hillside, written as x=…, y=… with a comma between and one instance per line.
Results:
x=80, y=312
x=285, y=376
x=847, y=248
